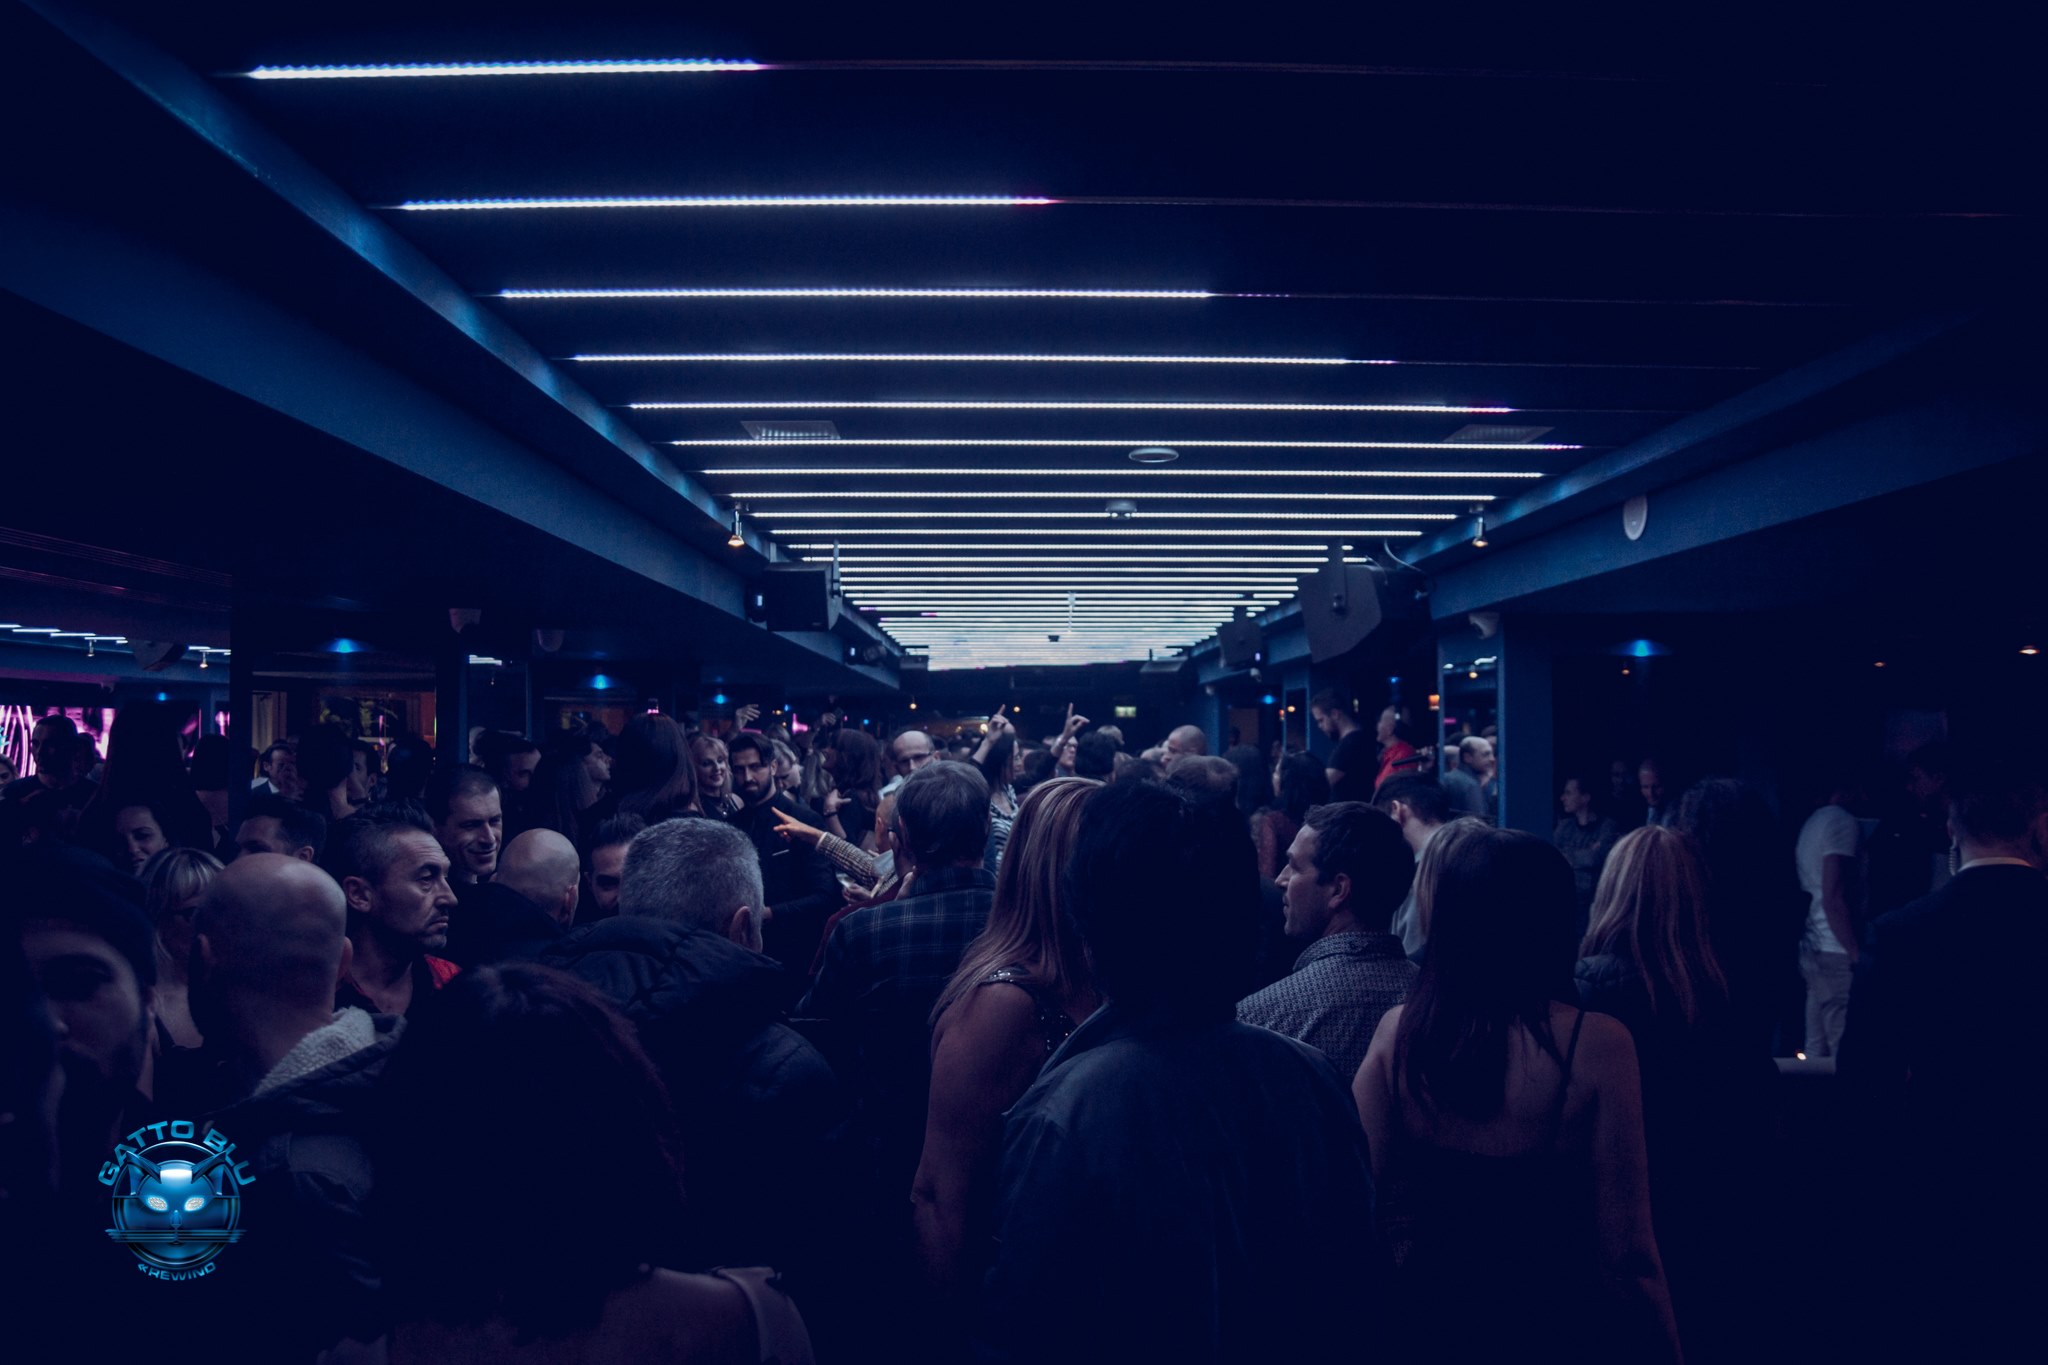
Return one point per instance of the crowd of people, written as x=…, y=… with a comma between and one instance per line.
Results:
x=757, y=1046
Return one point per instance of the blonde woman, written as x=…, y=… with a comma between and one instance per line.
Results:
x=1648, y=960
x=1021, y=988
x=174, y=882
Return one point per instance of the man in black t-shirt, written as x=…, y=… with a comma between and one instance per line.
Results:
x=797, y=881
x=1352, y=765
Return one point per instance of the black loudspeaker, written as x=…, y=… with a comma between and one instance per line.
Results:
x=1164, y=668
x=797, y=597
x=1340, y=606
x=1241, y=642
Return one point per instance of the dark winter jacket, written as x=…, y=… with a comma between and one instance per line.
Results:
x=305, y=1274
x=757, y=1104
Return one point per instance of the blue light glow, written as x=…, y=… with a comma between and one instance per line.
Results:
x=1268, y=700
x=163, y=696
x=718, y=699
x=343, y=645
x=600, y=682
x=1640, y=649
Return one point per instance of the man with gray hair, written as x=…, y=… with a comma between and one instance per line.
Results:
x=703, y=873
x=682, y=960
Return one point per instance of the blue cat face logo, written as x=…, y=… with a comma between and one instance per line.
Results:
x=176, y=1202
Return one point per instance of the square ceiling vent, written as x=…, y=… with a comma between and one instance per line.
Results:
x=792, y=431
x=1490, y=432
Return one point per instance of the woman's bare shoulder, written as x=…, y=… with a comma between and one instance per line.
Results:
x=701, y=1319
x=986, y=1017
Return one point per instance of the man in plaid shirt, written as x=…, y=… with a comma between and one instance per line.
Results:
x=885, y=965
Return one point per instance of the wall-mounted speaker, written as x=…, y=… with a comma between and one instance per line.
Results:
x=1241, y=642
x=1344, y=604
x=797, y=597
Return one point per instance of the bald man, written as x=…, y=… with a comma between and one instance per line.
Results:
x=1184, y=741
x=542, y=866
x=528, y=905
x=269, y=943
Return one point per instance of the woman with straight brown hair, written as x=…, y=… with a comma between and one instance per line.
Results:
x=1021, y=988
x=1648, y=960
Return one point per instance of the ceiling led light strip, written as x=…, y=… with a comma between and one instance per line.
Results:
x=764, y=495
x=992, y=405
x=732, y=201
x=680, y=66
x=1307, y=561
x=1150, y=516
x=1117, y=443
x=1135, y=550
x=975, y=357
x=854, y=292
x=1118, y=472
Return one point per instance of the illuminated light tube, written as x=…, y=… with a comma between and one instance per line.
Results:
x=665, y=66
x=1092, y=444
x=727, y=201
x=1126, y=560
x=852, y=292
x=1164, y=516
x=966, y=357
x=1135, y=550
x=994, y=405
x=1191, y=532
x=983, y=495
x=1167, y=472
x=1068, y=541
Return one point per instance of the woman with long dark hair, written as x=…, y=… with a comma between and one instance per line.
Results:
x=1298, y=783
x=1755, y=911
x=997, y=759
x=653, y=776
x=1022, y=986
x=1649, y=960
x=145, y=767
x=570, y=779
x=470, y=1261
x=856, y=773
x=1507, y=1134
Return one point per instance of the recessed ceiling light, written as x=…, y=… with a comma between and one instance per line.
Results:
x=730, y=201
x=681, y=66
x=964, y=358
x=1154, y=455
x=996, y=405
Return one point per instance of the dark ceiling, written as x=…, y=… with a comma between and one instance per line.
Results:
x=1602, y=230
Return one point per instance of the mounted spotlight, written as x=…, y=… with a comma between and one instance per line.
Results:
x=736, y=540
x=1154, y=455
x=1121, y=509
x=1479, y=533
